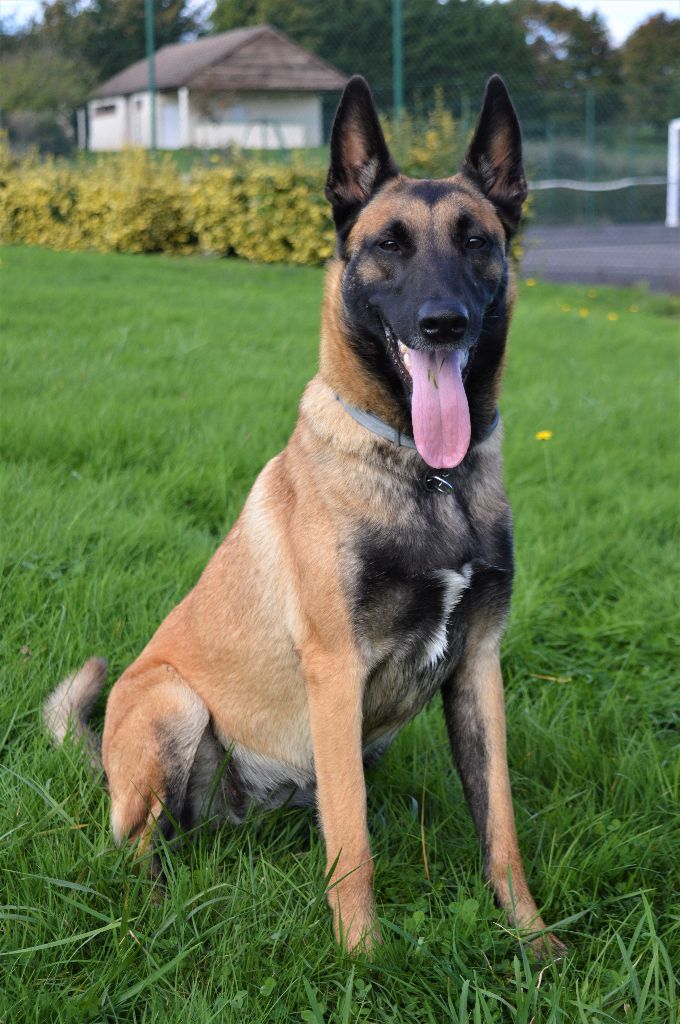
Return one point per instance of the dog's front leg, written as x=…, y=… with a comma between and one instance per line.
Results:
x=335, y=692
x=475, y=718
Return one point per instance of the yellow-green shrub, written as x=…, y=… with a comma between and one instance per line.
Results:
x=426, y=147
x=262, y=212
x=128, y=204
x=133, y=202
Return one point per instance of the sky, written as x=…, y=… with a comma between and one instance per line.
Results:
x=621, y=16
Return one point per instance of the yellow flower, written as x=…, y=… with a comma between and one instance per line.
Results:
x=612, y=316
x=592, y=294
x=633, y=309
x=566, y=308
x=544, y=435
x=530, y=282
x=584, y=311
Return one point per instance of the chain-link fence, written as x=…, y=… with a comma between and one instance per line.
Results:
x=595, y=148
x=595, y=122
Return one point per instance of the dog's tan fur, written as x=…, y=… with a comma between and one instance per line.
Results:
x=263, y=648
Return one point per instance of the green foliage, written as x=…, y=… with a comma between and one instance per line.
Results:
x=140, y=397
x=570, y=49
x=456, y=45
x=108, y=35
x=651, y=70
x=42, y=80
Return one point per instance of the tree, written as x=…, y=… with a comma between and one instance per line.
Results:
x=570, y=52
x=39, y=89
x=651, y=70
x=108, y=35
x=43, y=81
x=452, y=44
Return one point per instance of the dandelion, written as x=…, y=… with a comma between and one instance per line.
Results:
x=584, y=311
x=612, y=316
x=530, y=282
x=566, y=308
x=633, y=309
x=544, y=435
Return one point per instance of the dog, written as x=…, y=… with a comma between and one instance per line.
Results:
x=372, y=563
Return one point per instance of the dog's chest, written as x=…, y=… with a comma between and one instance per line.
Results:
x=414, y=651
x=409, y=624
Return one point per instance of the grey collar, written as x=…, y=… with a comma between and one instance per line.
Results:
x=388, y=433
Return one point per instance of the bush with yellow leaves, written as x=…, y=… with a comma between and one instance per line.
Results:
x=137, y=202
x=426, y=147
x=134, y=202
x=262, y=212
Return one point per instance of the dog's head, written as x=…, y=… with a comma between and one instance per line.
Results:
x=424, y=278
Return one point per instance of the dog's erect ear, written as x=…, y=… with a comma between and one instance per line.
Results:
x=360, y=159
x=494, y=159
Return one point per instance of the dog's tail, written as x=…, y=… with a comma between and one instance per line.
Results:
x=68, y=707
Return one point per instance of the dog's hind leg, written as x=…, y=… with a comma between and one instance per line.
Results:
x=154, y=724
x=475, y=718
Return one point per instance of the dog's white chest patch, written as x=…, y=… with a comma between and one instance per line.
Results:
x=455, y=583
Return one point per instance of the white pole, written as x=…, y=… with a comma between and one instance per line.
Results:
x=673, y=187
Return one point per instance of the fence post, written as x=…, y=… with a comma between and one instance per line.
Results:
x=673, y=186
x=590, y=153
x=150, y=48
x=397, y=59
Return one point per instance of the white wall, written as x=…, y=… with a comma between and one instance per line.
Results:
x=167, y=120
x=256, y=120
x=108, y=123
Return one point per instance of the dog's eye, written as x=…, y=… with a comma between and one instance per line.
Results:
x=475, y=242
x=389, y=245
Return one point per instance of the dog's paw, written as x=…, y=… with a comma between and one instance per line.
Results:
x=354, y=922
x=547, y=948
x=359, y=937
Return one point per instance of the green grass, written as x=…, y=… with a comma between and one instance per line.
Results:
x=139, y=398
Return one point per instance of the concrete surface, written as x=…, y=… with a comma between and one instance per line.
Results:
x=624, y=254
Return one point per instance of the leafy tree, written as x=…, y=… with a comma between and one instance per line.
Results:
x=454, y=44
x=651, y=70
x=569, y=52
x=39, y=89
x=42, y=80
x=108, y=35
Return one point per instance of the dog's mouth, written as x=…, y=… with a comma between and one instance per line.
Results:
x=439, y=406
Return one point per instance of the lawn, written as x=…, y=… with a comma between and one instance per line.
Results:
x=139, y=397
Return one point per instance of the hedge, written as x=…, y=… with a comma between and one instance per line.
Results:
x=133, y=202
x=136, y=202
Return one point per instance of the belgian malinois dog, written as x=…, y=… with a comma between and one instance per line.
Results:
x=372, y=563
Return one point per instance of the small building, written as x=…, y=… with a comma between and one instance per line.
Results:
x=251, y=86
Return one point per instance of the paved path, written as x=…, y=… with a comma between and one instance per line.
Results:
x=621, y=255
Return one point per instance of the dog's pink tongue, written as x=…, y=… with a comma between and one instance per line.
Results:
x=439, y=408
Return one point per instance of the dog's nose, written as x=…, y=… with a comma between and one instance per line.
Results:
x=443, y=321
